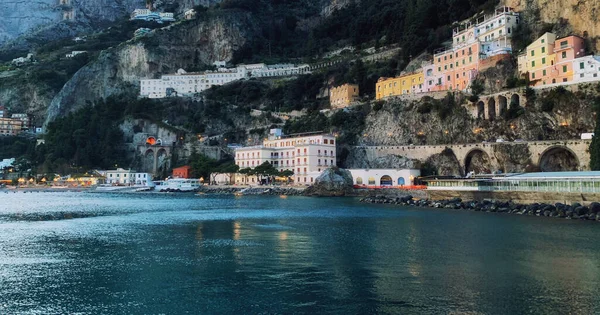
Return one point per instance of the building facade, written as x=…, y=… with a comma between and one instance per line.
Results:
x=128, y=177
x=187, y=84
x=10, y=127
x=306, y=155
x=557, y=61
x=343, y=95
x=372, y=178
x=455, y=67
x=150, y=15
x=25, y=119
x=182, y=172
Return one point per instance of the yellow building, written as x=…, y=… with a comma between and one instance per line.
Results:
x=539, y=54
x=405, y=84
x=343, y=95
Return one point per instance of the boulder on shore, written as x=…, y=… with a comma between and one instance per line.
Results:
x=332, y=182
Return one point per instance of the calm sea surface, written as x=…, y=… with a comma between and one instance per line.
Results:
x=85, y=253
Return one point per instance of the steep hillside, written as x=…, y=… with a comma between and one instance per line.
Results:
x=22, y=17
x=187, y=45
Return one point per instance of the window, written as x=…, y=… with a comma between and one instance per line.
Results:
x=533, y=63
x=564, y=68
x=543, y=40
x=543, y=50
x=581, y=65
x=533, y=53
x=544, y=72
x=564, y=54
x=533, y=75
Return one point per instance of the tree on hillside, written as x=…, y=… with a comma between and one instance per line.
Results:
x=595, y=145
x=265, y=170
x=202, y=166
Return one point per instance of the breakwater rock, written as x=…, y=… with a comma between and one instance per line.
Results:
x=558, y=210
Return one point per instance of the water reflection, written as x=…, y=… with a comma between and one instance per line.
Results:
x=209, y=254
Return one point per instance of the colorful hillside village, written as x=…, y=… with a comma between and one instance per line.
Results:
x=478, y=44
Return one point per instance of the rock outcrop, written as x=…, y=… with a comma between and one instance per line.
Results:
x=332, y=182
x=575, y=16
x=118, y=70
x=26, y=17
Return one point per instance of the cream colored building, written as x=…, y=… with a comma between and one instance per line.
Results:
x=343, y=95
x=128, y=177
x=306, y=155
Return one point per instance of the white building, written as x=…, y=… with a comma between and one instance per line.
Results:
x=75, y=53
x=149, y=15
x=22, y=60
x=6, y=163
x=183, y=83
x=384, y=177
x=306, y=155
x=586, y=69
x=190, y=14
x=128, y=177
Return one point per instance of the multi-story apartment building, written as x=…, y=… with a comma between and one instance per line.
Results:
x=306, y=155
x=343, y=95
x=26, y=120
x=455, y=67
x=551, y=60
x=185, y=84
x=10, y=127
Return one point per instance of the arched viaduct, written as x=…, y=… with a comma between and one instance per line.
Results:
x=490, y=107
x=542, y=155
x=155, y=157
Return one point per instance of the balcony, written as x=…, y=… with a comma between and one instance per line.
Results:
x=563, y=47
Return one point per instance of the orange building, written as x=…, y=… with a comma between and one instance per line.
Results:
x=343, y=95
x=10, y=127
x=182, y=172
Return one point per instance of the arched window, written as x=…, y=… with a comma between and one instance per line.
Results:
x=371, y=180
x=386, y=181
x=359, y=181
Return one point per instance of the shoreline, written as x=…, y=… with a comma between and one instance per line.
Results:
x=575, y=211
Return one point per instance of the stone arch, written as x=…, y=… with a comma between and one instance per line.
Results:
x=478, y=161
x=515, y=100
x=445, y=163
x=558, y=158
x=386, y=180
x=359, y=181
x=491, y=112
x=401, y=181
x=148, y=160
x=502, y=105
x=480, y=109
x=161, y=161
x=371, y=180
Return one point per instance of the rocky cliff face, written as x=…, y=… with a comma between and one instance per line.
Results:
x=119, y=70
x=21, y=17
x=581, y=16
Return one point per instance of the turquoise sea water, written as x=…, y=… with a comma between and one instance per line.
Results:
x=85, y=253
